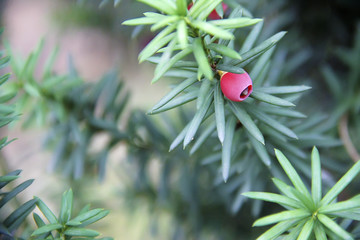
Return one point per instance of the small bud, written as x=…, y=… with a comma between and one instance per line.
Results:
x=236, y=87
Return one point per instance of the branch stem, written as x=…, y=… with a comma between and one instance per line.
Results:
x=345, y=137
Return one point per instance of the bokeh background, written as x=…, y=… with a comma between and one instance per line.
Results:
x=93, y=37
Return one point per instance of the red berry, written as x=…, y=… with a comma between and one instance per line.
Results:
x=213, y=15
x=236, y=87
x=190, y=5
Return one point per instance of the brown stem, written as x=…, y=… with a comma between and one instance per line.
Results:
x=345, y=137
x=4, y=167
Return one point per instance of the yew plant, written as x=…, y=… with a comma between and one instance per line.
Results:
x=308, y=215
x=196, y=43
x=231, y=105
x=216, y=76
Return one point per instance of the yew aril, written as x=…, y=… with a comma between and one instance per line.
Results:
x=236, y=87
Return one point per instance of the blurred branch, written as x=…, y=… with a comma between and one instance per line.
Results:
x=345, y=137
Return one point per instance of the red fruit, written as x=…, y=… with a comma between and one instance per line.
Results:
x=213, y=15
x=236, y=87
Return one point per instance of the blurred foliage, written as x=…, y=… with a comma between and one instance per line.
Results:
x=346, y=95
x=75, y=112
x=66, y=226
x=11, y=217
x=7, y=110
x=77, y=15
x=188, y=184
x=14, y=216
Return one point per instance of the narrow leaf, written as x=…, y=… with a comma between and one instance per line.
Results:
x=165, y=57
x=246, y=120
x=8, y=196
x=334, y=227
x=275, y=198
x=161, y=39
x=179, y=138
x=85, y=209
x=332, y=81
x=264, y=97
x=284, y=112
x=211, y=159
x=196, y=8
x=252, y=37
x=182, y=34
x=196, y=121
x=8, y=96
x=273, y=123
x=291, y=172
x=95, y=218
x=164, y=22
x=202, y=138
x=277, y=230
x=316, y=176
x=180, y=73
x=46, y=211
x=208, y=8
x=14, y=220
x=201, y=58
x=284, y=89
x=142, y=21
x=173, y=93
x=175, y=102
x=200, y=6
x=227, y=148
x=295, y=231
x=250, y=55
x=203, y=92
x=162, y=5
x=232, y=23
x=4, y=78
x=224, y=50
x=260, y=150
x=282, y=216
x=172, y=61
x=7, y=179
x=39, y=222
x=307, y=229
x=89, y=214
x=343, y=206
x=319, y=231
x=261, y=68
x=341, y=184
x=81, y=232
x=73, y=223
x=66, y=206
x=229, y=68
x=219, y=112
x=181, y=7
x=284, y=188
x=47, y=228
x=305, y=199
x=212, y=30
x=346, y=214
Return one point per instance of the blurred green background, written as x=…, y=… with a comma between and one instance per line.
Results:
x=97, y=42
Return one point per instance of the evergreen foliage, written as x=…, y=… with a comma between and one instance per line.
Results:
x=227, y=147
